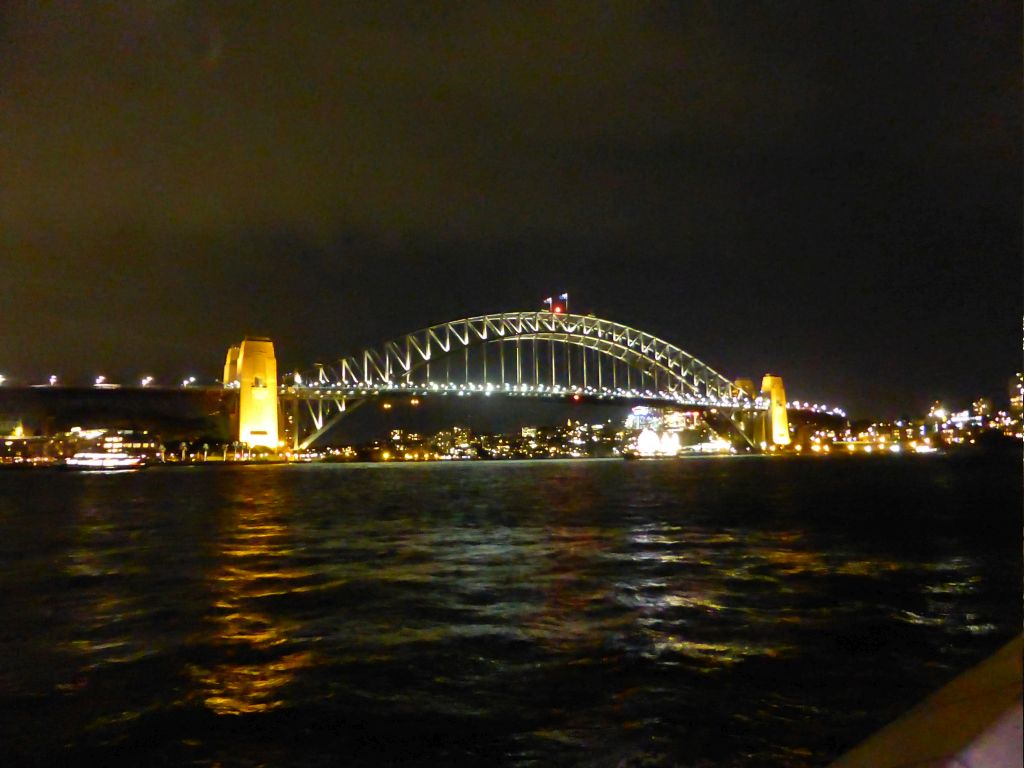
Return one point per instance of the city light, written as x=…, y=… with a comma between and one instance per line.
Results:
x=146, y=381
x=648, y=443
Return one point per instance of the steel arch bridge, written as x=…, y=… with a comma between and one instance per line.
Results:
x=517, y=354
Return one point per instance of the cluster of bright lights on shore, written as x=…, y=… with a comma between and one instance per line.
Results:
x=852, y=446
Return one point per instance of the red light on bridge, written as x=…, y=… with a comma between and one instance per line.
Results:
x=576, y=398
x=557, y=310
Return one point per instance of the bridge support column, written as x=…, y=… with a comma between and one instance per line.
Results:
x=255, y=369
x=777, y=422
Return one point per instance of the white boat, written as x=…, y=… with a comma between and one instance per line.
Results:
x=97, y=460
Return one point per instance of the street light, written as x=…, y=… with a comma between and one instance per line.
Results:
x=189, y=380
x=52, y=380
x=100, y=381
x=146, y=381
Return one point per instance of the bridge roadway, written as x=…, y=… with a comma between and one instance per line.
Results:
x=327, y=403
x=174, y=412
x=318, y=392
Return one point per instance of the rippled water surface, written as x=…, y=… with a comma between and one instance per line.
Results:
x=719, y=612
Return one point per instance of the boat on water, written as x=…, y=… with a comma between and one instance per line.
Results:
x=103, y=460
x=105, y=449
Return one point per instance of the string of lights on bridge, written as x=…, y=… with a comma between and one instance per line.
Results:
x=461, y=390
x=544, y=390
x=102, y=382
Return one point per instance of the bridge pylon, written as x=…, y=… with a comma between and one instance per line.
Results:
x=776, y=420
x=767, y=426
x=252, y=367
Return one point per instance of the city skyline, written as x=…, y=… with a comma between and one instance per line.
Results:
x=828, y=194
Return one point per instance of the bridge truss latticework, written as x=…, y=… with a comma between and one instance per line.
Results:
x=537, y=353
x=546, y=347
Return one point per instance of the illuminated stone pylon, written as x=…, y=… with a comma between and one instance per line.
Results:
x=778, y=421
x=231, y=365
x=252, y=366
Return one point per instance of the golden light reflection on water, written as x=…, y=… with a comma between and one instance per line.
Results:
x=255, y=551
x=790, y=554
x=724, y=654
x=869, y=568
x=246, y=689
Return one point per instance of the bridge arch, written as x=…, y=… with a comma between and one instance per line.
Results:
x=407, y=359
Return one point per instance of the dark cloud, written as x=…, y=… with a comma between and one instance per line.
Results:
x=830, y=191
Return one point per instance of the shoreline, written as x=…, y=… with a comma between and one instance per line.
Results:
x=953, y=455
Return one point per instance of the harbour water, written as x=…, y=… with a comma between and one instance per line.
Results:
x=705, y=612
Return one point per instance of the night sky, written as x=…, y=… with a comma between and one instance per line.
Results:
x=830, y=191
